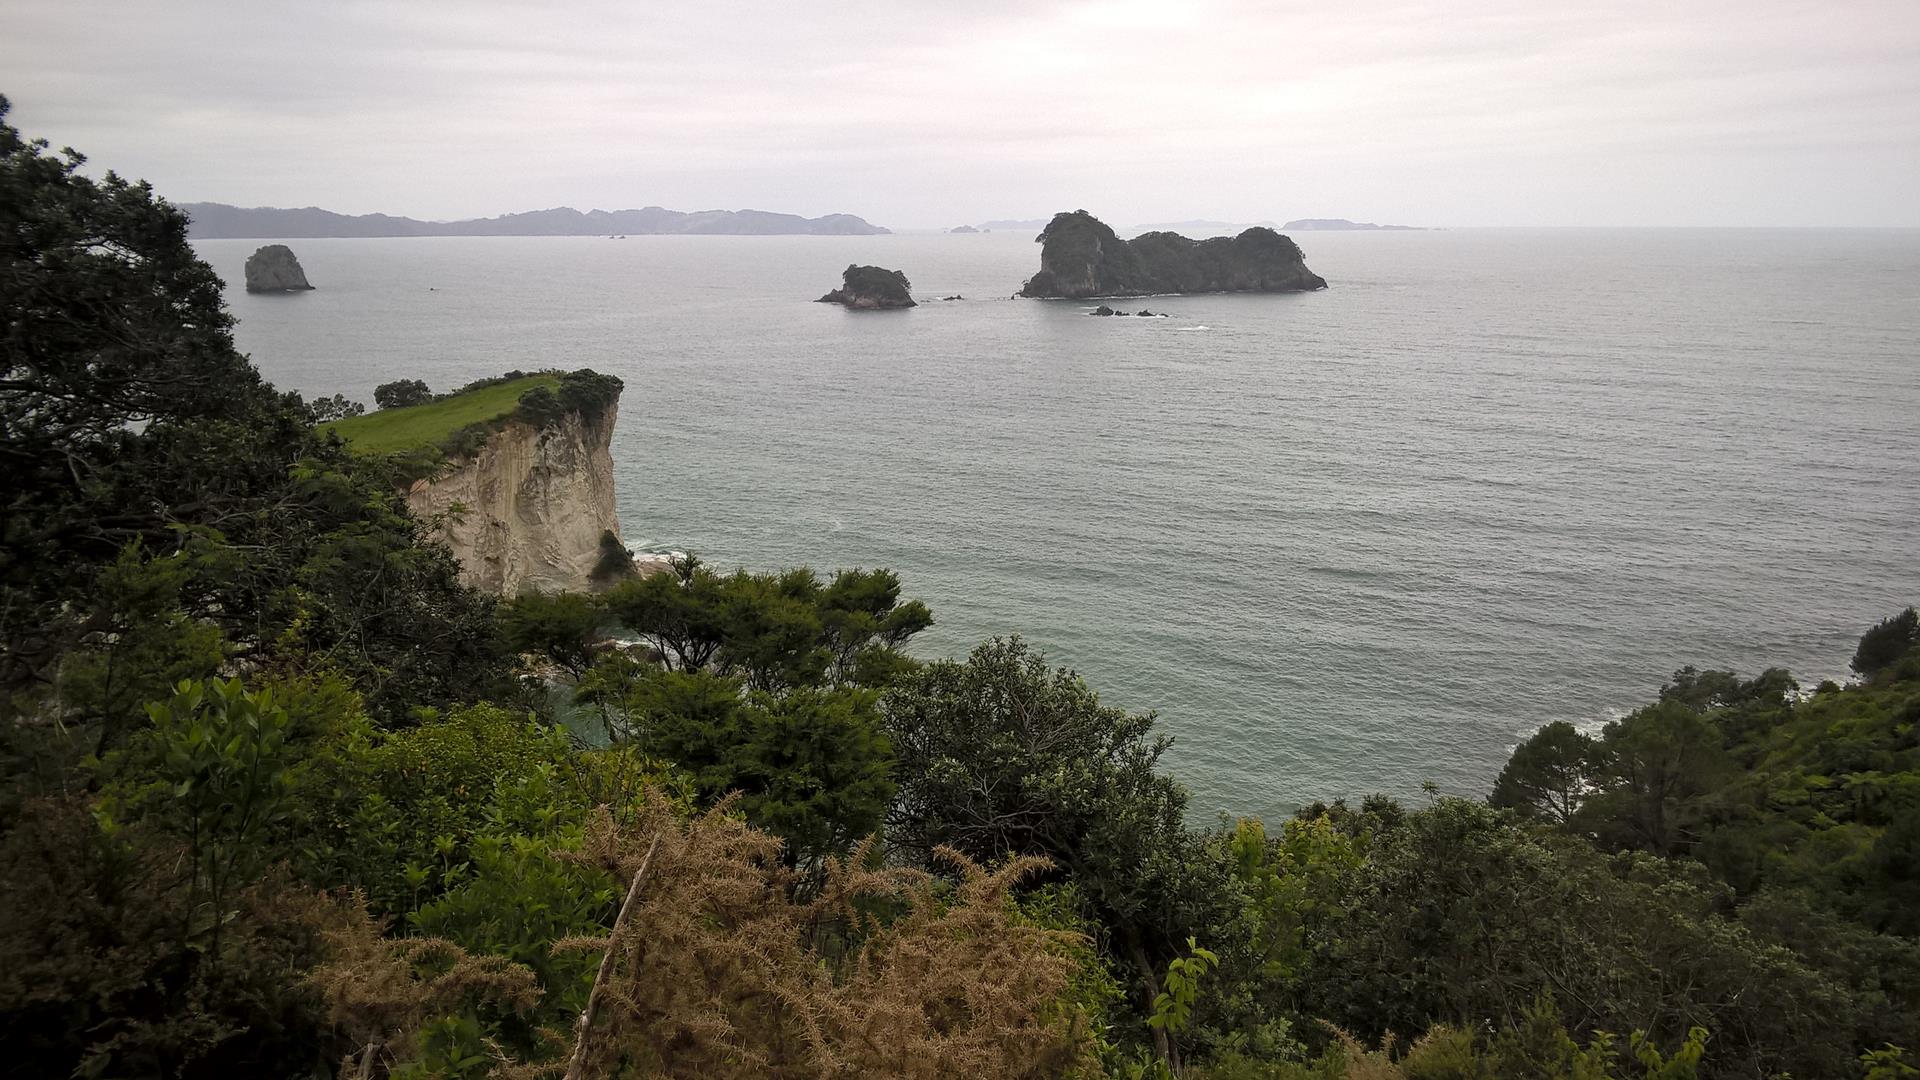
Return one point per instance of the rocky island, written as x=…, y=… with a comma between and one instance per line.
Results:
x=1080, y=256
x=274, y=269
x=871, y=288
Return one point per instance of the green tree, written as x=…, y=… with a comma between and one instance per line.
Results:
x=1659, y=763
x=1459, y=915
x=1550, y=775
x=220, y=775
x=147, y=645
x=561, y=627
x=326, y=410
x=812, y=766
x=1889, y=640
x=124, y=407
x=771, y=633
x=401, y=393
x=774, y=632
x=815, y=769
x=1001, y=756
x=680, y=612
x=864, y=623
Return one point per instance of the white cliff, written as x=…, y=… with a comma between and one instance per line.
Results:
x=529, y=510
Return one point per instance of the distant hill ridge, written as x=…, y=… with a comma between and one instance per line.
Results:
x=1200, y=227
x=219, y=221
x=1340, y=224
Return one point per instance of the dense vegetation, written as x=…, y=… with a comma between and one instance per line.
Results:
x=279, y=797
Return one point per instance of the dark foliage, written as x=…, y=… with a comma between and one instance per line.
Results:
x=1886, y=643
x=326, y=410
x=401, y=393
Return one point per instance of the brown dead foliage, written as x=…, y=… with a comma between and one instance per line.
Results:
x=381, y=991
x=721, y=973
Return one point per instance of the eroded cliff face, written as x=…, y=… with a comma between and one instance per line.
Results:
x=528, y=511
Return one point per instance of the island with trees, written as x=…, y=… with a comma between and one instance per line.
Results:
x=281, y=795
x=871, y=288
x=1080, y=257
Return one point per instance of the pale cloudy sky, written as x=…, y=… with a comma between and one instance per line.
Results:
x=1496, y=112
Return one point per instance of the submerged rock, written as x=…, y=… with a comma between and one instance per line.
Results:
x=274, y=269
x=868, y=288
x=1081, y=257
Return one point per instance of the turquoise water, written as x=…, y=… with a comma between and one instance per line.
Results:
x=1342, y=542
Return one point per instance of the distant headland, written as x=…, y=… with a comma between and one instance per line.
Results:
x=218, y=221
x=1340, y=224
x=1080, y=256
x=1204, y=227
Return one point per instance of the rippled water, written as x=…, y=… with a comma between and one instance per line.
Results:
x=1343, y=542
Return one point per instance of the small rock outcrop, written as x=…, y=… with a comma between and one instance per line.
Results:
x=870, y=288
x=959, y=229
x=274, y=269
x=1081, y=257
x=1104, y=310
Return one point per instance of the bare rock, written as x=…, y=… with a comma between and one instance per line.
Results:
x=274, y=269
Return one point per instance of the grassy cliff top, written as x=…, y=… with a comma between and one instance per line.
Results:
x=392, y=430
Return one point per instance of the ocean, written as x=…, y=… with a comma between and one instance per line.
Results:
x=1346, y=542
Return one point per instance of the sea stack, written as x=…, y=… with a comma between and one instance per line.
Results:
x=274, y=269
x=870, y=288
x=1081, y=257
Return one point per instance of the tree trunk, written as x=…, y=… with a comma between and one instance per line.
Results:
x=1162, y=1046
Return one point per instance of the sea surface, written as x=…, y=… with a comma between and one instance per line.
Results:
x=1344, y=542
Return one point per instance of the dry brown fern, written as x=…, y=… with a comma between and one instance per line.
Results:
x=719, y=973
x=380, y=991
x=1364, y=1064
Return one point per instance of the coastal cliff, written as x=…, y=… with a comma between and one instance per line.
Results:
x=513, y=472
x=529, y=508
x=1080, y=256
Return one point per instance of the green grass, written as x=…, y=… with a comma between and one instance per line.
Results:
x=390, y=430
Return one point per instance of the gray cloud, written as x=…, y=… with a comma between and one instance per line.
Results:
x=1477, y=112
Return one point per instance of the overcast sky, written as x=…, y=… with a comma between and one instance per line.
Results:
x=1496, y=112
